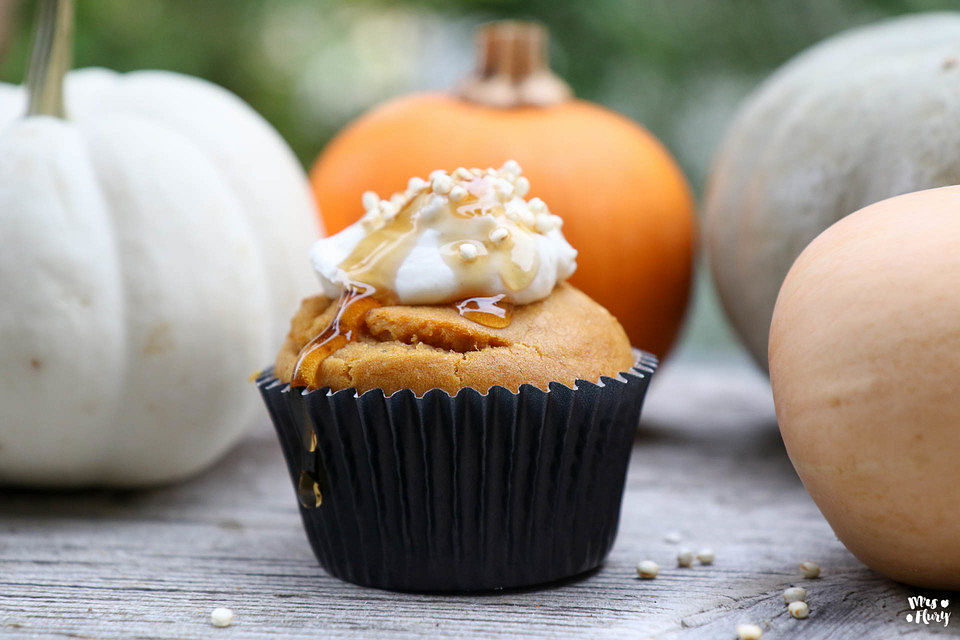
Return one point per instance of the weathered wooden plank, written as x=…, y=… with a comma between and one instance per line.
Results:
x=708, y=463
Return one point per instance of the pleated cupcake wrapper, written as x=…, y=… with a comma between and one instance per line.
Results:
x=463, y=493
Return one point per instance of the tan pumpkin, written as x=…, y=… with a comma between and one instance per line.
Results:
x=626, y=205
x=864, y=358
x=868, y=114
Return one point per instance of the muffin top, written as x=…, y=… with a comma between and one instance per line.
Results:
x=561, y=338
x=455, y=282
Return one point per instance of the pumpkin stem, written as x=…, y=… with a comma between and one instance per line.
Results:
x=512, y=68
x=50, y=58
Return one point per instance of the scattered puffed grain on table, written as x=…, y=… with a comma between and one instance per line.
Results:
x=799, y=609
x=221, y=617
x=749, y=632
x=647, y=569
x=810, y=569
x=672, y=537
x=685, y=558
x=706, y=556
x=795, y=594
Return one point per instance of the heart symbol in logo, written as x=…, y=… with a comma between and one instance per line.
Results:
x=944, y=603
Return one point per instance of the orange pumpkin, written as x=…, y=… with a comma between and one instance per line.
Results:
x=626, y=205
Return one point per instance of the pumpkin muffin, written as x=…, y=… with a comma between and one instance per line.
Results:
x=561, y=338
x=448, y=398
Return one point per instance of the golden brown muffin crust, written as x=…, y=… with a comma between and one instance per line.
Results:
x=561, y=338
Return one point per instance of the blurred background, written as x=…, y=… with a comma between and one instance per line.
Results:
x=679, y=67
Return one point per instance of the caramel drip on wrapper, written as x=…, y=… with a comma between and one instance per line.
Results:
x=308, y=491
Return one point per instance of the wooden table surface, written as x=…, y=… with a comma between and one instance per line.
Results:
x=708, y=464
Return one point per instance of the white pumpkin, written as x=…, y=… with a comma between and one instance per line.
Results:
x=868, y=114
x=151, y=252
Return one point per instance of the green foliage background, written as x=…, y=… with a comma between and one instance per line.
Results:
x=646, y=58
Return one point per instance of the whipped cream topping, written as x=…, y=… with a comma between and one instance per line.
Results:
x=455, y=235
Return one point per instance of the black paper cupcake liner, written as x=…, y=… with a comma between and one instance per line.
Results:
x=464, y=493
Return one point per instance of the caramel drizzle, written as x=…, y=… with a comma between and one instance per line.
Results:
x=372, y=266
x=490, y=311
x=352, y=309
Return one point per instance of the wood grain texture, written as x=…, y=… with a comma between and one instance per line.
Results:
x=708, y=463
